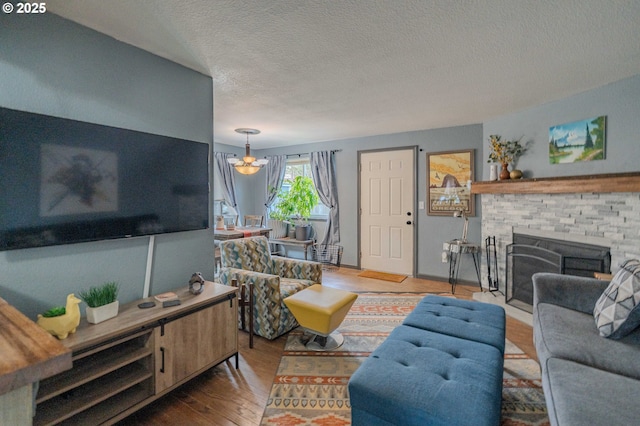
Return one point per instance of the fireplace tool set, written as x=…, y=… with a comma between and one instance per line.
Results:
x=492, y=263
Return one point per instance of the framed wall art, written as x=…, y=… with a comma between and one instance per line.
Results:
x=582, y=140
x=449, y=177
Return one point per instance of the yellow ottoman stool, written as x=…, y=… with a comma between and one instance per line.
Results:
x=320, y=310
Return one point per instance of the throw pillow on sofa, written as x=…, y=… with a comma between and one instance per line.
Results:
x=617, y=311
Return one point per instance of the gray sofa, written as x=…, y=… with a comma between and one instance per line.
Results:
x=587, y=379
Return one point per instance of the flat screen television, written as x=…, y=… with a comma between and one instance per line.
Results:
x=65, y=181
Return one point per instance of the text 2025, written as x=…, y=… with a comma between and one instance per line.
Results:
x=31, y=7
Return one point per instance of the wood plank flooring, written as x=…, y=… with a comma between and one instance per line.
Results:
x=226, y=396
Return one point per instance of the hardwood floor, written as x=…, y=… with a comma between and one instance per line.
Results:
x=226, y=396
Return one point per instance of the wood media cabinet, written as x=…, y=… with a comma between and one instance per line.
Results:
x=129, y=361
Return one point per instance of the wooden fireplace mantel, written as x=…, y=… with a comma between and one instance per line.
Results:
x=616, y=182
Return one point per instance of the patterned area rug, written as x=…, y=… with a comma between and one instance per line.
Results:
x=310, y=388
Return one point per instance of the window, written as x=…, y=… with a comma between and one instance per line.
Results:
x=302, y=167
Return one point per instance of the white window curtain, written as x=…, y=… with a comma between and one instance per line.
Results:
x=324, y=178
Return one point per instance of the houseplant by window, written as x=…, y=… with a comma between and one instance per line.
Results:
x=101, y=301
x=297, y=203
x=504, y=152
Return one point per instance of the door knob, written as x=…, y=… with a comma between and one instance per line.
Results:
x=408, y=213
x=408, y=222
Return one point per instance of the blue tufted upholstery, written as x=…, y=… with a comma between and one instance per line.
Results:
x=480, y=322
x=434, y=369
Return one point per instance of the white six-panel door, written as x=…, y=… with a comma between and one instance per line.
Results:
x=387, y=217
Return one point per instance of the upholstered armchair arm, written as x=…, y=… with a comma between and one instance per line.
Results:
x=298, y=269
x=268, y=285
x=577, y=293
x=267, y=299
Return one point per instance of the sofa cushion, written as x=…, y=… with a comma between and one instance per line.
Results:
x=580, y=395
x=289, y=286
x=617, y=311
x=564, y=333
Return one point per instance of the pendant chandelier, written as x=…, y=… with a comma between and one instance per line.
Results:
x=248, y=165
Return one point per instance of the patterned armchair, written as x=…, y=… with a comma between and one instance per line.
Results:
x=274, y=278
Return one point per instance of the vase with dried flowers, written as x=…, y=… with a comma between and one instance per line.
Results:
x=504, y=152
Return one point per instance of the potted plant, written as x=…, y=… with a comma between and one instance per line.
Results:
x=101, y=302
x=277, y=220
x=505, y=152
x=61, y=320
x=297, y=203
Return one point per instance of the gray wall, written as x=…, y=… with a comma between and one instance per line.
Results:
x=52, y=66
x=619, y=101
x=432, y=230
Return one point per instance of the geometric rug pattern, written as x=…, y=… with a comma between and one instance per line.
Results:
x=310, y=388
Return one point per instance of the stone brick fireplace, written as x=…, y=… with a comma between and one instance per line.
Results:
x=601, y=210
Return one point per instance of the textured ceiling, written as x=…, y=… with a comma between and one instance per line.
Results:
x=304, y=71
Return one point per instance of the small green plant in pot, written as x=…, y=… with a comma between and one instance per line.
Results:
x=297, y=203
x=101, y=301
x=56, y=311
x=61, y=320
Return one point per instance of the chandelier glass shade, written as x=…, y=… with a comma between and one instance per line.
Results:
x=248, y=165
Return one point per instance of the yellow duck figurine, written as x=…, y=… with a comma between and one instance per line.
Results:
x=62, y=325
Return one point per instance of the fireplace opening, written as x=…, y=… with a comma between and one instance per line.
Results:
x=530, y=254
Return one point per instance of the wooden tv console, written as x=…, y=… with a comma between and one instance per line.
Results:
x=127, y=362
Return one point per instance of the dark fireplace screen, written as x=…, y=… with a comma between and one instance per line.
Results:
x=529, y=255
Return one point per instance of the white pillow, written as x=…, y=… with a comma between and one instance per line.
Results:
x=617, y=311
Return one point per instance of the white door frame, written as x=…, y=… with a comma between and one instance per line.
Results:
x=414, y=219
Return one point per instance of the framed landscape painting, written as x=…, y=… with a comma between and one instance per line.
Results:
x=449, y=177
x=582, y=140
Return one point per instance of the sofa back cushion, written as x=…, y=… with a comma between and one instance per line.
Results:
x=251, y=254
x=617, y=311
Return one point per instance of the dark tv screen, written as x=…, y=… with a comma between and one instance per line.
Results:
x=64, y=181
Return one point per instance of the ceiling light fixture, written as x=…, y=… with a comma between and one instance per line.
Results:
x=248, y=165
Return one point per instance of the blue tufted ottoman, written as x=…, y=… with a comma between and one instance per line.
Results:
x=480, y=322
x=443, y=366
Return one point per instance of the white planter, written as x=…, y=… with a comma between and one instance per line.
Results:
x=102, y=313
x=278, y=228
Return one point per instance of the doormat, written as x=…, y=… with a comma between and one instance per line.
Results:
x=395, y=278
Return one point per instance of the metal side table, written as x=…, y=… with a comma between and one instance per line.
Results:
x=455, y=250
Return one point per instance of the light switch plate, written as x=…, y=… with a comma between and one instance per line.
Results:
x=421, y=205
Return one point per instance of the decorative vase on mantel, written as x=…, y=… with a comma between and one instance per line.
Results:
x=504, y=173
